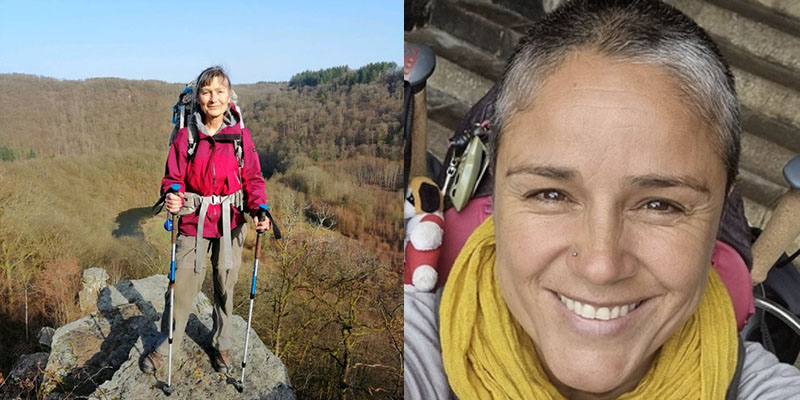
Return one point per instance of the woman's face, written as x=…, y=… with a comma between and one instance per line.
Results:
x=214, y=98
x=609, y=163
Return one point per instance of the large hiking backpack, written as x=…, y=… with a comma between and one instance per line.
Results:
x=183, y=113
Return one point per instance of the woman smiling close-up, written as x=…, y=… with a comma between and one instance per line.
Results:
x=616, y=148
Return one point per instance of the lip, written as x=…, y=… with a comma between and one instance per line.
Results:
x=597, y=327
x=601, y=304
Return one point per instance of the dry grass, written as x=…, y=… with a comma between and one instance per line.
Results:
x=349, y=195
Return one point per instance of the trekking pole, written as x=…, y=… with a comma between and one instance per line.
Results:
x=171, y=225
x=263, y=211
x=419, y=61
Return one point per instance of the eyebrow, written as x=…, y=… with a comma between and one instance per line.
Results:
x=547, y=171
x=642, y=181
x=666, y=181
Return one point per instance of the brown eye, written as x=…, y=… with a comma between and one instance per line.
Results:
x=550, y=195
x=660, y=205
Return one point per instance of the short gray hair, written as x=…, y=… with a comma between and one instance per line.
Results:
x=638, y=31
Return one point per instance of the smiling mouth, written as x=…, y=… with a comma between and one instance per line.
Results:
x=589, y=311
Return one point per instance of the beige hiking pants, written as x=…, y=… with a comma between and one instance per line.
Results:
x=188, y=284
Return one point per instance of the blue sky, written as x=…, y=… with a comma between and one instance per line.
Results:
x=174, y=40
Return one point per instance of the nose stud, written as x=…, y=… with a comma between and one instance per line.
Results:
x=574, y=253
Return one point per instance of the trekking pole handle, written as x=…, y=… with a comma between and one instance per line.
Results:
x=263, y=208
x=168, y=224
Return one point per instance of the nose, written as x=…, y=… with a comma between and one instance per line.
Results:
x=600, y=248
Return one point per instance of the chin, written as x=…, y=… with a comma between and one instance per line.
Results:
x=605, y=376
x=595, y=383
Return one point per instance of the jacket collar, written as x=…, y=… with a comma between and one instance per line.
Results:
x=230, y=122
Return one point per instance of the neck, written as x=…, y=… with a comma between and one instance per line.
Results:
x=213, y=125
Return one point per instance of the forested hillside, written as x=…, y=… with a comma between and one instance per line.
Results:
x=75, y=156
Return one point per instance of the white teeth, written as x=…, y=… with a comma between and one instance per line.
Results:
x=588, y=311
x=602, y=313
x=623, y=311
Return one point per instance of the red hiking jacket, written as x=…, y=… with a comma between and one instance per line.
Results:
x=214, y=170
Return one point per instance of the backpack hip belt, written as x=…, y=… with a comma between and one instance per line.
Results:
x=192, y=201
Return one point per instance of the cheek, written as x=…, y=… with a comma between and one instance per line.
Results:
x=677, y=258
x=528, y=246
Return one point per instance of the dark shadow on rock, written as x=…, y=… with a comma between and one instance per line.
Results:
x=197, y=331
x=120, y=328
x=24, y=380
x=280, y=392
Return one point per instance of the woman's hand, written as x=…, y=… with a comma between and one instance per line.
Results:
x=262, y=225
x=174, y=202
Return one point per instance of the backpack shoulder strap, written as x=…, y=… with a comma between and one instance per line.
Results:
x=237, y=144
x=238, y=148
x=191, y=138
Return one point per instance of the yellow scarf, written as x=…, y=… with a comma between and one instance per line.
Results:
x=487, y=355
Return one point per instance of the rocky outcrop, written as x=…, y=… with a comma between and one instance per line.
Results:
x=45, y=337
x=98, y=356
x=94, y=280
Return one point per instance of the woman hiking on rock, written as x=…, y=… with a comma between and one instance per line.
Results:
x=220, y=179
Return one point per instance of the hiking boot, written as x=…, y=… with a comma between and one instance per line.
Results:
x=223, y=361
x=152, y=362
